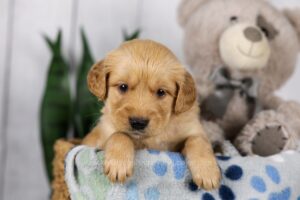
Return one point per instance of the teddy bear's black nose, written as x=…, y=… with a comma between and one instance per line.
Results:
x=138, y=123
x=253, y=34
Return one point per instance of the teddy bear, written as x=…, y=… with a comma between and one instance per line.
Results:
x=240, y=53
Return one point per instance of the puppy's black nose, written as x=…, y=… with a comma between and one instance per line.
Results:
x=138, y=123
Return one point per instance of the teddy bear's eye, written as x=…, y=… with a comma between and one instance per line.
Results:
x=265, y=31
x=233, y=18
x=266, y=27
x=123, y=88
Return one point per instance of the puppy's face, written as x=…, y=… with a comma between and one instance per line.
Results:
x=143, y=85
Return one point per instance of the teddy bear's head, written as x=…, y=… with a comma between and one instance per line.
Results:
x=249, y=37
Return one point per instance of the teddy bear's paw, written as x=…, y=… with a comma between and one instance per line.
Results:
x=270, y=140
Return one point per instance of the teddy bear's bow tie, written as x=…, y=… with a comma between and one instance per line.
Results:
x=223, y=80
x=215, y=105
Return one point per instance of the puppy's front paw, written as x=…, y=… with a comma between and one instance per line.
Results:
x=118, y=166
x=206, y=173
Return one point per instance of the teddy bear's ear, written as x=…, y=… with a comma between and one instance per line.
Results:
x=293, y=16
x=186, y=9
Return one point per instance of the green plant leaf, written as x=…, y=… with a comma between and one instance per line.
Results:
x=134, y=35
x=87, y=105
x=55, y=108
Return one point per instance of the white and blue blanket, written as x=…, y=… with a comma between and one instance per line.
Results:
x=165, y=176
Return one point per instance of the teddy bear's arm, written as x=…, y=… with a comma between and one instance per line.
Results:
x=289, y=109
x=272, y=130
x=270, y=102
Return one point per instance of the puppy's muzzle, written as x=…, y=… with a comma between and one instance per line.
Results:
x=138, y=123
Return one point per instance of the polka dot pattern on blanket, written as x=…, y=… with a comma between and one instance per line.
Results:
x=283, y=195
x=226, y=193
x=179, y=166
x=160, y=168
x=132, y=191
x=192, y=186
x=155, y=177
x=258, y=184
x=207, y=196
x=273, y=174
x=234, y=172
x=223, y=158
x=154, y=152
x=152, y=193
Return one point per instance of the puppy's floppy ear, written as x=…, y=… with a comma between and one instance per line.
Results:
x=293, y=16
x=186, y=94
x=97, y=80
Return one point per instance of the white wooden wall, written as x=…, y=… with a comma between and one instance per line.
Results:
x=24, y=59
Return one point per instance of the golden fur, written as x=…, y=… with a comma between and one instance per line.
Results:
x=146, y=67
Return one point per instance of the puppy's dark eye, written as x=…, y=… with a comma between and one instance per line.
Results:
x=233, y=18
x=123, y=88
x=160, y=93
x=265, y=31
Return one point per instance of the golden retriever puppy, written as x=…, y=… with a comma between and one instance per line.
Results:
x=150, y=102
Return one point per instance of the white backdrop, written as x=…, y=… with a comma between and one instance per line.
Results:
x=24, y=59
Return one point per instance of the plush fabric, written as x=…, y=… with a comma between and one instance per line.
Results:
x=164, y=175
x=243, y=100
